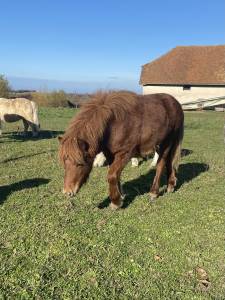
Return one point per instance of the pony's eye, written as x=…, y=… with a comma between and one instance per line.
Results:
x=79, y=165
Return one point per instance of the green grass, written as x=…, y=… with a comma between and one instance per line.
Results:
x=55, y=248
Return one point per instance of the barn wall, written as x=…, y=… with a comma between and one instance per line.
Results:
x=186, y=95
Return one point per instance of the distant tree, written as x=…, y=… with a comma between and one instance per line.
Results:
x=58, y=98
x=53, y=99
x=4, y=87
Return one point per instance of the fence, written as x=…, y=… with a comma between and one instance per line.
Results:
x=205, y=104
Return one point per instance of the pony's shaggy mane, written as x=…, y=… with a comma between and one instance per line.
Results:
x=90, y=123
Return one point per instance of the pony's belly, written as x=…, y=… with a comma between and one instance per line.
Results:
x=11, y=118
x=146, y=152
x=148, y=148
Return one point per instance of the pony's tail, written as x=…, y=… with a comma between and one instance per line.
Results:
x=178, y=148
x=176, y=158
x=35, y=115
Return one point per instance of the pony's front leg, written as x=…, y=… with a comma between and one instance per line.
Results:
x=115, y=191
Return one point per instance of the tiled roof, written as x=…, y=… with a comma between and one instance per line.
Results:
x=202, y=65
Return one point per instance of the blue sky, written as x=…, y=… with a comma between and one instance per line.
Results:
x=87, y=45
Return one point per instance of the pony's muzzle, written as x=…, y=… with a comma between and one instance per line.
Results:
x=70, y=192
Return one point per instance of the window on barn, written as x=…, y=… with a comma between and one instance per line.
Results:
x=186, y=87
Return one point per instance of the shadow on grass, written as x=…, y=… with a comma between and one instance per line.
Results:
x=43, y=135
x=25, y=156
x=141, y=185
x=5, y=190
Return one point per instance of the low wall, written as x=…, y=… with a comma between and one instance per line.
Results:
x=184, y=96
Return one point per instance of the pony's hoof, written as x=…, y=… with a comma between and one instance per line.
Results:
x=134, y=162
x=153, y=196
x=114, y=206
x=170, y=189
x=123, y=196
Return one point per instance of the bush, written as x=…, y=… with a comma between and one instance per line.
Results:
x=4, y=87
x=54, y=99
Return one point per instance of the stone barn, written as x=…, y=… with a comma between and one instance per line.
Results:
x=195, y=75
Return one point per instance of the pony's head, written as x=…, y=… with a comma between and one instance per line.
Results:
x=77, y=163
x=82, y=141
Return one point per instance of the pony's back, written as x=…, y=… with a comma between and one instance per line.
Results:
x=22, y=107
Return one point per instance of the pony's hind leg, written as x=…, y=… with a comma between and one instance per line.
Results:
x=115, y=190
x=171, y=175
x=154, y=191
x=0, y=127
x=34, y=128
x=26, y=126
x=161, y=163
x=172, y=166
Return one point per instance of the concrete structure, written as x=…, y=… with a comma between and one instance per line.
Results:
x=188, y=73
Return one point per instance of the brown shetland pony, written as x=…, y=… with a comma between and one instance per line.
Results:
x=122, y=125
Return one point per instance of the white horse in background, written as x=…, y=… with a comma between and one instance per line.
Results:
x=100, y=160
x=12, y=110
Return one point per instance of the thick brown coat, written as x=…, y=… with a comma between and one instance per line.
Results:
x=122, y=125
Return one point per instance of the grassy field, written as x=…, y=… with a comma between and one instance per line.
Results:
x=55, y=248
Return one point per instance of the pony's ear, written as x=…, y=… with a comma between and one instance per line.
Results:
x=83, y=145
x=60, y=139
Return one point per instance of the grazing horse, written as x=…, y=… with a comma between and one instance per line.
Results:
x=12, y=110
x=122, y=125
